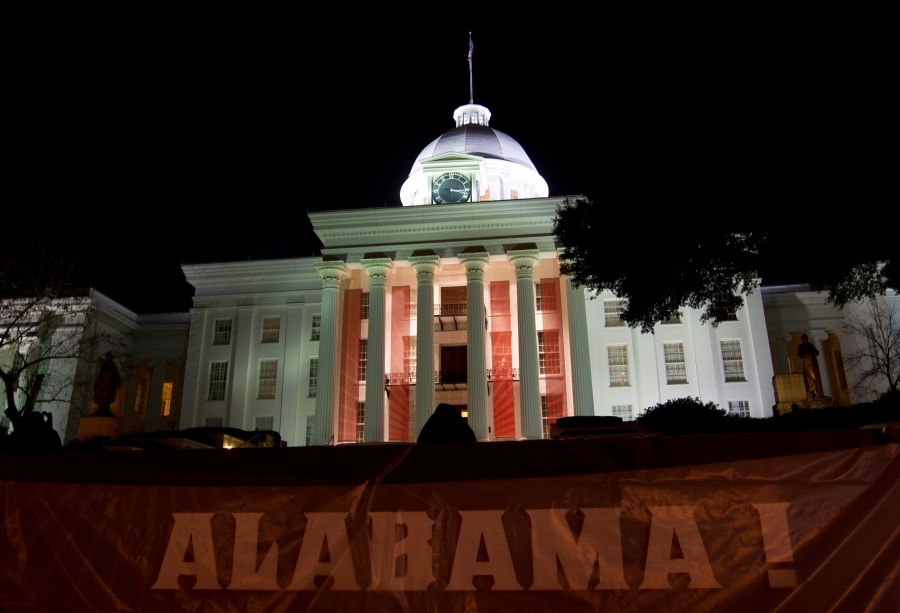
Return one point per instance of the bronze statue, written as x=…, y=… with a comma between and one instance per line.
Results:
x=107, y=385
x=811, y=377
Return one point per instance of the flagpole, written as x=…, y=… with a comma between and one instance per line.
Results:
x=471, y=94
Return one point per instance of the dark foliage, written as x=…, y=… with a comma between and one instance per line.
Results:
x=691, y=416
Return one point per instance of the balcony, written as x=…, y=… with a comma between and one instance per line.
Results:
x=451, y=380
x=450, y=316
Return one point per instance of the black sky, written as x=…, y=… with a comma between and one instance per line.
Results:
x=143, y=141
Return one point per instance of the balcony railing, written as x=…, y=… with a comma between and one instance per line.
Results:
x=451, y=377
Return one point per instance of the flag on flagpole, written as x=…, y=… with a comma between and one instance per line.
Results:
x=471, y=47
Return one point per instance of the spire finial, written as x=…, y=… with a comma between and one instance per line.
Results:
x=471, y=47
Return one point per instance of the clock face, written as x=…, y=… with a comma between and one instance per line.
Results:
x=451, y=187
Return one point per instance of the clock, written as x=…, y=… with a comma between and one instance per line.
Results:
x=451, y=187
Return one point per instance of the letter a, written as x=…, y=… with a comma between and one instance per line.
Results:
x=189, y=528
x=665, y=523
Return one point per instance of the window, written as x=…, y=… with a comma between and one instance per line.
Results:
x=313, y=377
x=548, y=352
x=545, y=418
x=214, y=422
x=364, y=306
x=732, y=362
x=270, y=329
x=360, y=422
x=618, y=365
x=612, y=309
x=675, y=369
x=139, y=398
x=409, y=354
x=726, y=314
x=412, y=305
x=268, y=373
x=739, y=407
x=545, y=301
x=218, y=375
x=624, y=411
x=674, y=319
x=316, y=327
x=363, y=358
x=513, y=194
x=222, y=332
x=264, y=423
x=166, y=405
x=310, y=428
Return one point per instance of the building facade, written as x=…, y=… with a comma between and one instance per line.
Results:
x=454, y=297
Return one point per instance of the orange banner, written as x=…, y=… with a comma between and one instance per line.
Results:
x=810, y=532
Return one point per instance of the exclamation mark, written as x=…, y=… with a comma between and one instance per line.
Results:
x=777, y=543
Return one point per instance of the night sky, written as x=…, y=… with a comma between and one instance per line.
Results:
x=144, y=141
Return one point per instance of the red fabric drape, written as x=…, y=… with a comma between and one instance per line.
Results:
x=555, y=378
x=349, y=375
x=501, y=360
x=398, y=402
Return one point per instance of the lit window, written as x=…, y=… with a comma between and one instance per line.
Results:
x=675, y=368
x=624, y=411
x=612, y=310
x=739, y=407
x=732, y=362
x=264, y=423
x=268, y=372
x=271, y=329
x=364, y=306
x=316, y=327
x=618, y=365
x=363, y=358
x=166, y=405
x=218, y=375
x=313, y=377
x=360, y=422
x=486, y=196
x=513, y=194
x=548, y=352
x=222, y=332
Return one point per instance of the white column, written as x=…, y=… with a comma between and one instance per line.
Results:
x=530, y=391
x=331, y=272
x=583, y=395
x=377, y=269
x=425, y=267
x=476, y=366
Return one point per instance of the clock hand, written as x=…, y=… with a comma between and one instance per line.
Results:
x=458, y=191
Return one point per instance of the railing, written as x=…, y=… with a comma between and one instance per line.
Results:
x=451, y=308
x=409, y=378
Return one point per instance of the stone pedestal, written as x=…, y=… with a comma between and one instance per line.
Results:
x=108, y=426
x=790, y=390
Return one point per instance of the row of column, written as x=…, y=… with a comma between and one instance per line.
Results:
x=378, y=269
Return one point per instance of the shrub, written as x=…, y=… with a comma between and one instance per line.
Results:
x=687, y=416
